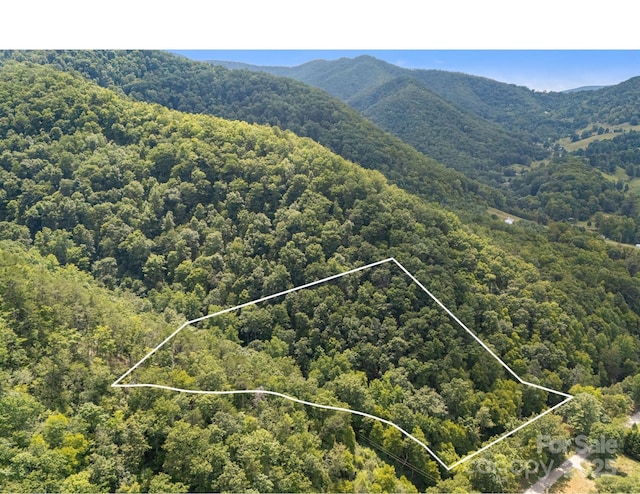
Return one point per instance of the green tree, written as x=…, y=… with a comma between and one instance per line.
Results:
x=192, y=457
x=582, y=412
x=161, y=482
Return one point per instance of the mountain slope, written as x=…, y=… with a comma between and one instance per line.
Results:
x=436, y=128
x=532, y=117
x=610, y=105
x=348, y=78
x=478, y=109
x=344, y=78
x=582, y=88
x=199, y=88
x=197, y=213
x=482, y=97
x=148, y=198
x=64, y=340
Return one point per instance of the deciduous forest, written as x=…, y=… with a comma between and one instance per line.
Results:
x=140, y=190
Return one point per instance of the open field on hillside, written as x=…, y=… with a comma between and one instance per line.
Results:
x=583, y=143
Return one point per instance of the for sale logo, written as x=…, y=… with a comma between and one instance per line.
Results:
x=602, y=447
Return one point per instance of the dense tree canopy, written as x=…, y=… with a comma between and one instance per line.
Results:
x=194, y=87
x=122, y=219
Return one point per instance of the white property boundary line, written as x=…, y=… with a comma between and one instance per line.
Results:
x=568, y=397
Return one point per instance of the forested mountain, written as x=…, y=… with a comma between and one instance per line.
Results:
x=542, y=114
x=461, y=120
x=177, y=215
x=480, y=149
x=447, y=116
x=610, y=105
x=517, y=125
x=64, y=429
x=348, y=79
x=178, y=83
x=345, y=78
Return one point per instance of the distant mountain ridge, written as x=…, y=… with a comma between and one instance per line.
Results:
x=474, y=124
x=347, y=78
x=441, y=117
x=583, y=88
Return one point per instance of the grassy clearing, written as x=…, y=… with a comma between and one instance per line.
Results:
x=584, y=224
x=634, y=186
x=578, y=481
x=626, y=466
x=583, y=143
x=609, y=177
x=518, y=168
x=502, y=214
x=620, y=174
x=634, y=183
x=573, y=483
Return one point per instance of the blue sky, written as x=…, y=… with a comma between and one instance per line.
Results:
x=551, y=70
